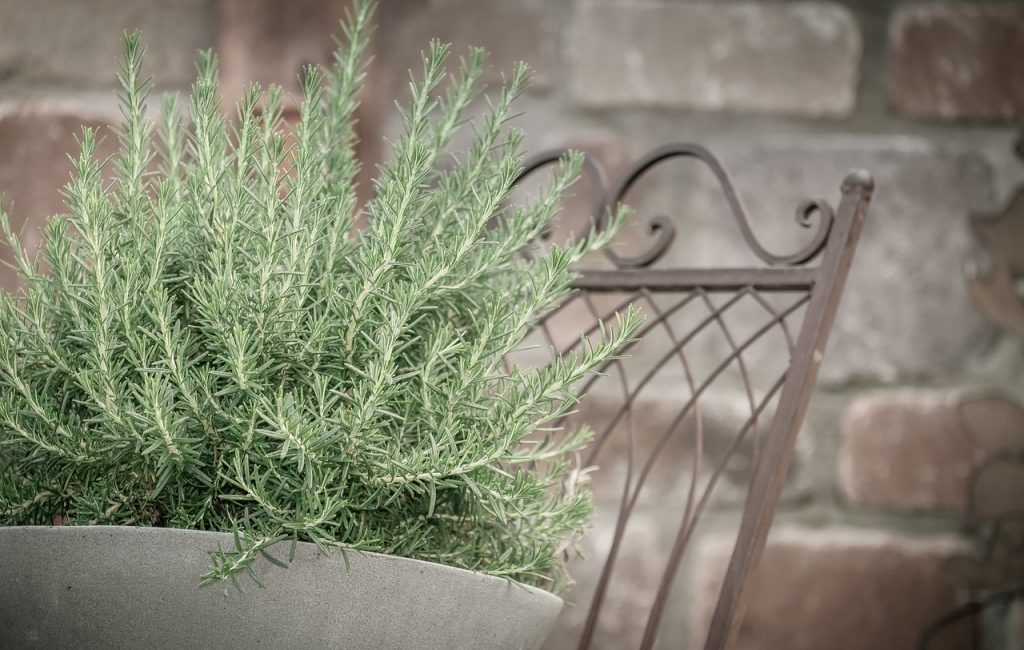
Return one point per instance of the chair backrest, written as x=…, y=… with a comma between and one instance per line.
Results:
x=788, y=298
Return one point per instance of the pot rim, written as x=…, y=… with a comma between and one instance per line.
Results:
x=412, y=562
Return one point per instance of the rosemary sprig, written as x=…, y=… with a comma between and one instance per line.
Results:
x=213, y=345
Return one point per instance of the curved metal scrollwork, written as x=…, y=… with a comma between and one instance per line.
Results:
x=661, y=228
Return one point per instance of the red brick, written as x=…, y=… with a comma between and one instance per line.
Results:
x=837, y=588
x=905, y=451
x=34, y=168
x=634, y=582
x=995, y=423
x=269, y=42
x=957, y=61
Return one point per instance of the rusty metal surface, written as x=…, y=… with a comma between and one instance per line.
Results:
x=708, y=327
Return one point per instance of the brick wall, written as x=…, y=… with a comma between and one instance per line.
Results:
x=926, y=95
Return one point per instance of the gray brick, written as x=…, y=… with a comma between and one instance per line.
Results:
x=510, y=30
x=723, y=413
x=906, y=312
x=78, y=43
x=957, y=61
x=793, y=58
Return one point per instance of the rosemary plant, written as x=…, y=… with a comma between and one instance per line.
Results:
x=208, y=342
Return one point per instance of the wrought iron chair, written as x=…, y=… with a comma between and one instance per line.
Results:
x=791, y=298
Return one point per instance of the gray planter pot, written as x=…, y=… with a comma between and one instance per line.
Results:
x=110, y=586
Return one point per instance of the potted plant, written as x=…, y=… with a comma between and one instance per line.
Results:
x=213, y=376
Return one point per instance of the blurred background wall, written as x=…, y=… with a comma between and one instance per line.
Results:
x=926, y=95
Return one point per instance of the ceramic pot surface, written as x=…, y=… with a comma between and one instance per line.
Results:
x=124, y=587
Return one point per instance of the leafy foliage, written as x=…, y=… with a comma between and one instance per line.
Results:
x=215, y=345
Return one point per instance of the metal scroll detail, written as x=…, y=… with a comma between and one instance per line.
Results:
x=995, y=511
x=661, y=228
x=705, y=406
x=995, y=272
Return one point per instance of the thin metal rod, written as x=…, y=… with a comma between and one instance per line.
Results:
x=770, y=472
x=711, y=280
x=687, y=529
x=635, y=490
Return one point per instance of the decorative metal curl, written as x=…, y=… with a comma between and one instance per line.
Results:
x=591, y=170
x=804, y=212
x=663, y=230
x=996, y=264
x=994, y=576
